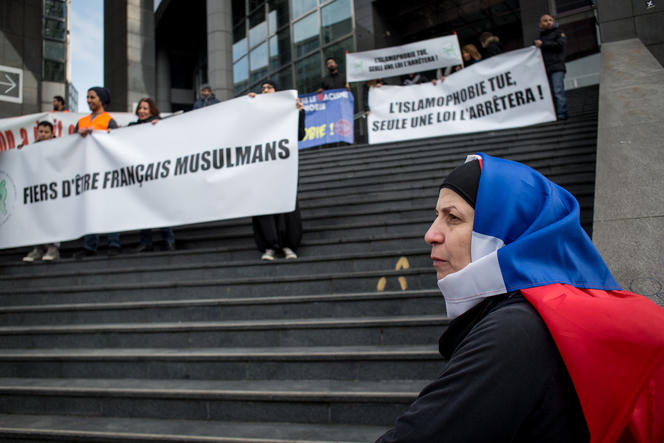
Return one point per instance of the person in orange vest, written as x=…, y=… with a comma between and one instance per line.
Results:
x=98, y=120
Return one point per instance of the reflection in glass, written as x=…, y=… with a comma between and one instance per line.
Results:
x=278, y=15
x=307, y=74
x=258, y=62
x=299, y=7
x=54, y=71
x=280, y=49
x=55, y=29
x=338, y=52
x=241, y=71
x=238, y=10
x=284, y=79
x=305, y=34
x=257, y=27
x=336, y=20
x=239, y=31
x=239, y=49
x=54, y=50
x=55, y=8
x=255, y=3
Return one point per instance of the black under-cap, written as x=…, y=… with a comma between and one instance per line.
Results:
x=103, y=93
x=464, y=180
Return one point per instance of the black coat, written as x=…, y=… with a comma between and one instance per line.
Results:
x=504, y=382
x=553, y=49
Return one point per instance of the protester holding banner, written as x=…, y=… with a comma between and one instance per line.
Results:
x=59, y=104
x=470, y=56
x=544, y=346
x=279, y=232
x=491, y=44
x=98, y=120
x=148, y=112
x=552, y=42
x=207, y=98
x=335, y=79
x=44, y=252
x=414, y=79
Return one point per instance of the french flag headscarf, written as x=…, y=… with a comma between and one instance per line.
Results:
x=527, y=237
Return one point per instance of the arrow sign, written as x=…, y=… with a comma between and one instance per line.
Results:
x=11, y=84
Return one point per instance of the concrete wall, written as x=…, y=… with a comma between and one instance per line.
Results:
x=628, y=225
x=21, y=48
x=129, y=52
x=625, y=19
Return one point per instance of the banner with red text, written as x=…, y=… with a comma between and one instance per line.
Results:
x=234, y=159
x=21, y=131
x=505, y=91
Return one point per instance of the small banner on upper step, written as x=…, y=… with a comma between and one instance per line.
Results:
x=234, y=159
x=505, y=91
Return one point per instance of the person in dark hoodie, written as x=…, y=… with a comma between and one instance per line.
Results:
x=552, y=42
x=279, y=232
x=207, y=98
x=491, y=44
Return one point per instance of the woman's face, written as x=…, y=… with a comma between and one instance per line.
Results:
x=93, y=101
x=143, y=111
x=466, y=56
x=450, y=233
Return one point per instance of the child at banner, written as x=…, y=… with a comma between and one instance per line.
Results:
x=98, y=98
x=44, y=252
x=279, y=232
x=544, y=346
x=148, y=112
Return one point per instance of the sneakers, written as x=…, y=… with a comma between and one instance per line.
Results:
x=268, y=255
x=289, y=254
x=33, y=255
x=52, y=253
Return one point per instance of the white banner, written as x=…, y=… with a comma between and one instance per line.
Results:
x=234, y=159
x=17, y=131
x=420, y=56
x=505, y=91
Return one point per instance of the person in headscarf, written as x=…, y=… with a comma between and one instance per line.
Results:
x=544, y=346
x=98, y=120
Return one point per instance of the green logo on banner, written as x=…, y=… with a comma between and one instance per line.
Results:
x=7, y=196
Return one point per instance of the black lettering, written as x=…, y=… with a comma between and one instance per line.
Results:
x=53, y=187
x=194, y=163
x=149, y=172
x=283, y=147
x=270, y=151
x=165, y=168
x=258, y=154
x=242, y=155
x=205, y=161
x=218, y=158
x=181, y=165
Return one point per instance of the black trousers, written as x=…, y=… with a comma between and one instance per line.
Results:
x=278, y=231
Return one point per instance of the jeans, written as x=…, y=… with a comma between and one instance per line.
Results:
x=166, y=234
x=91, y=241
x=557, y=83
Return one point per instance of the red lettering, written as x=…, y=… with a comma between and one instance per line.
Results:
x=36, y=128
x=24, y=137
x=3, y=143
x=11, y=144
x=60, y=128
x=71, y=129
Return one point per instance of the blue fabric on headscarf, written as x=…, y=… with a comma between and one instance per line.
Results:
x=538, y=222
x=103, y=93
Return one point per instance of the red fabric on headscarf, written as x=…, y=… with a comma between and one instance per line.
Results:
x=612, y=343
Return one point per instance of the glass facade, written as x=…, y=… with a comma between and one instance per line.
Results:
x=54, y=33
x=287, y=41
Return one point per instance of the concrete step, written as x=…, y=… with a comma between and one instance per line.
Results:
x=352, y=331
x=375, y=403
x=383, y=303
x=364, y=281
x=218, y=270
x=359, y=363
x=45, y=428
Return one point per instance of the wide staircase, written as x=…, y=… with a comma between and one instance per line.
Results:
x=208, y=343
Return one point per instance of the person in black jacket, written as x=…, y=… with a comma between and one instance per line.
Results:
x=336, y=79
x=504, y=379
x=552, y=42
x=491, y=44
x=279, y=232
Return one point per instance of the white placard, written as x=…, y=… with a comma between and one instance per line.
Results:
x=234, y=159
x=505, y=91
x=420, y=56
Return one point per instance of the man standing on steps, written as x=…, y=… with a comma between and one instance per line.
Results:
x=552, y=42
x=207, y=98
x=335, y=79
